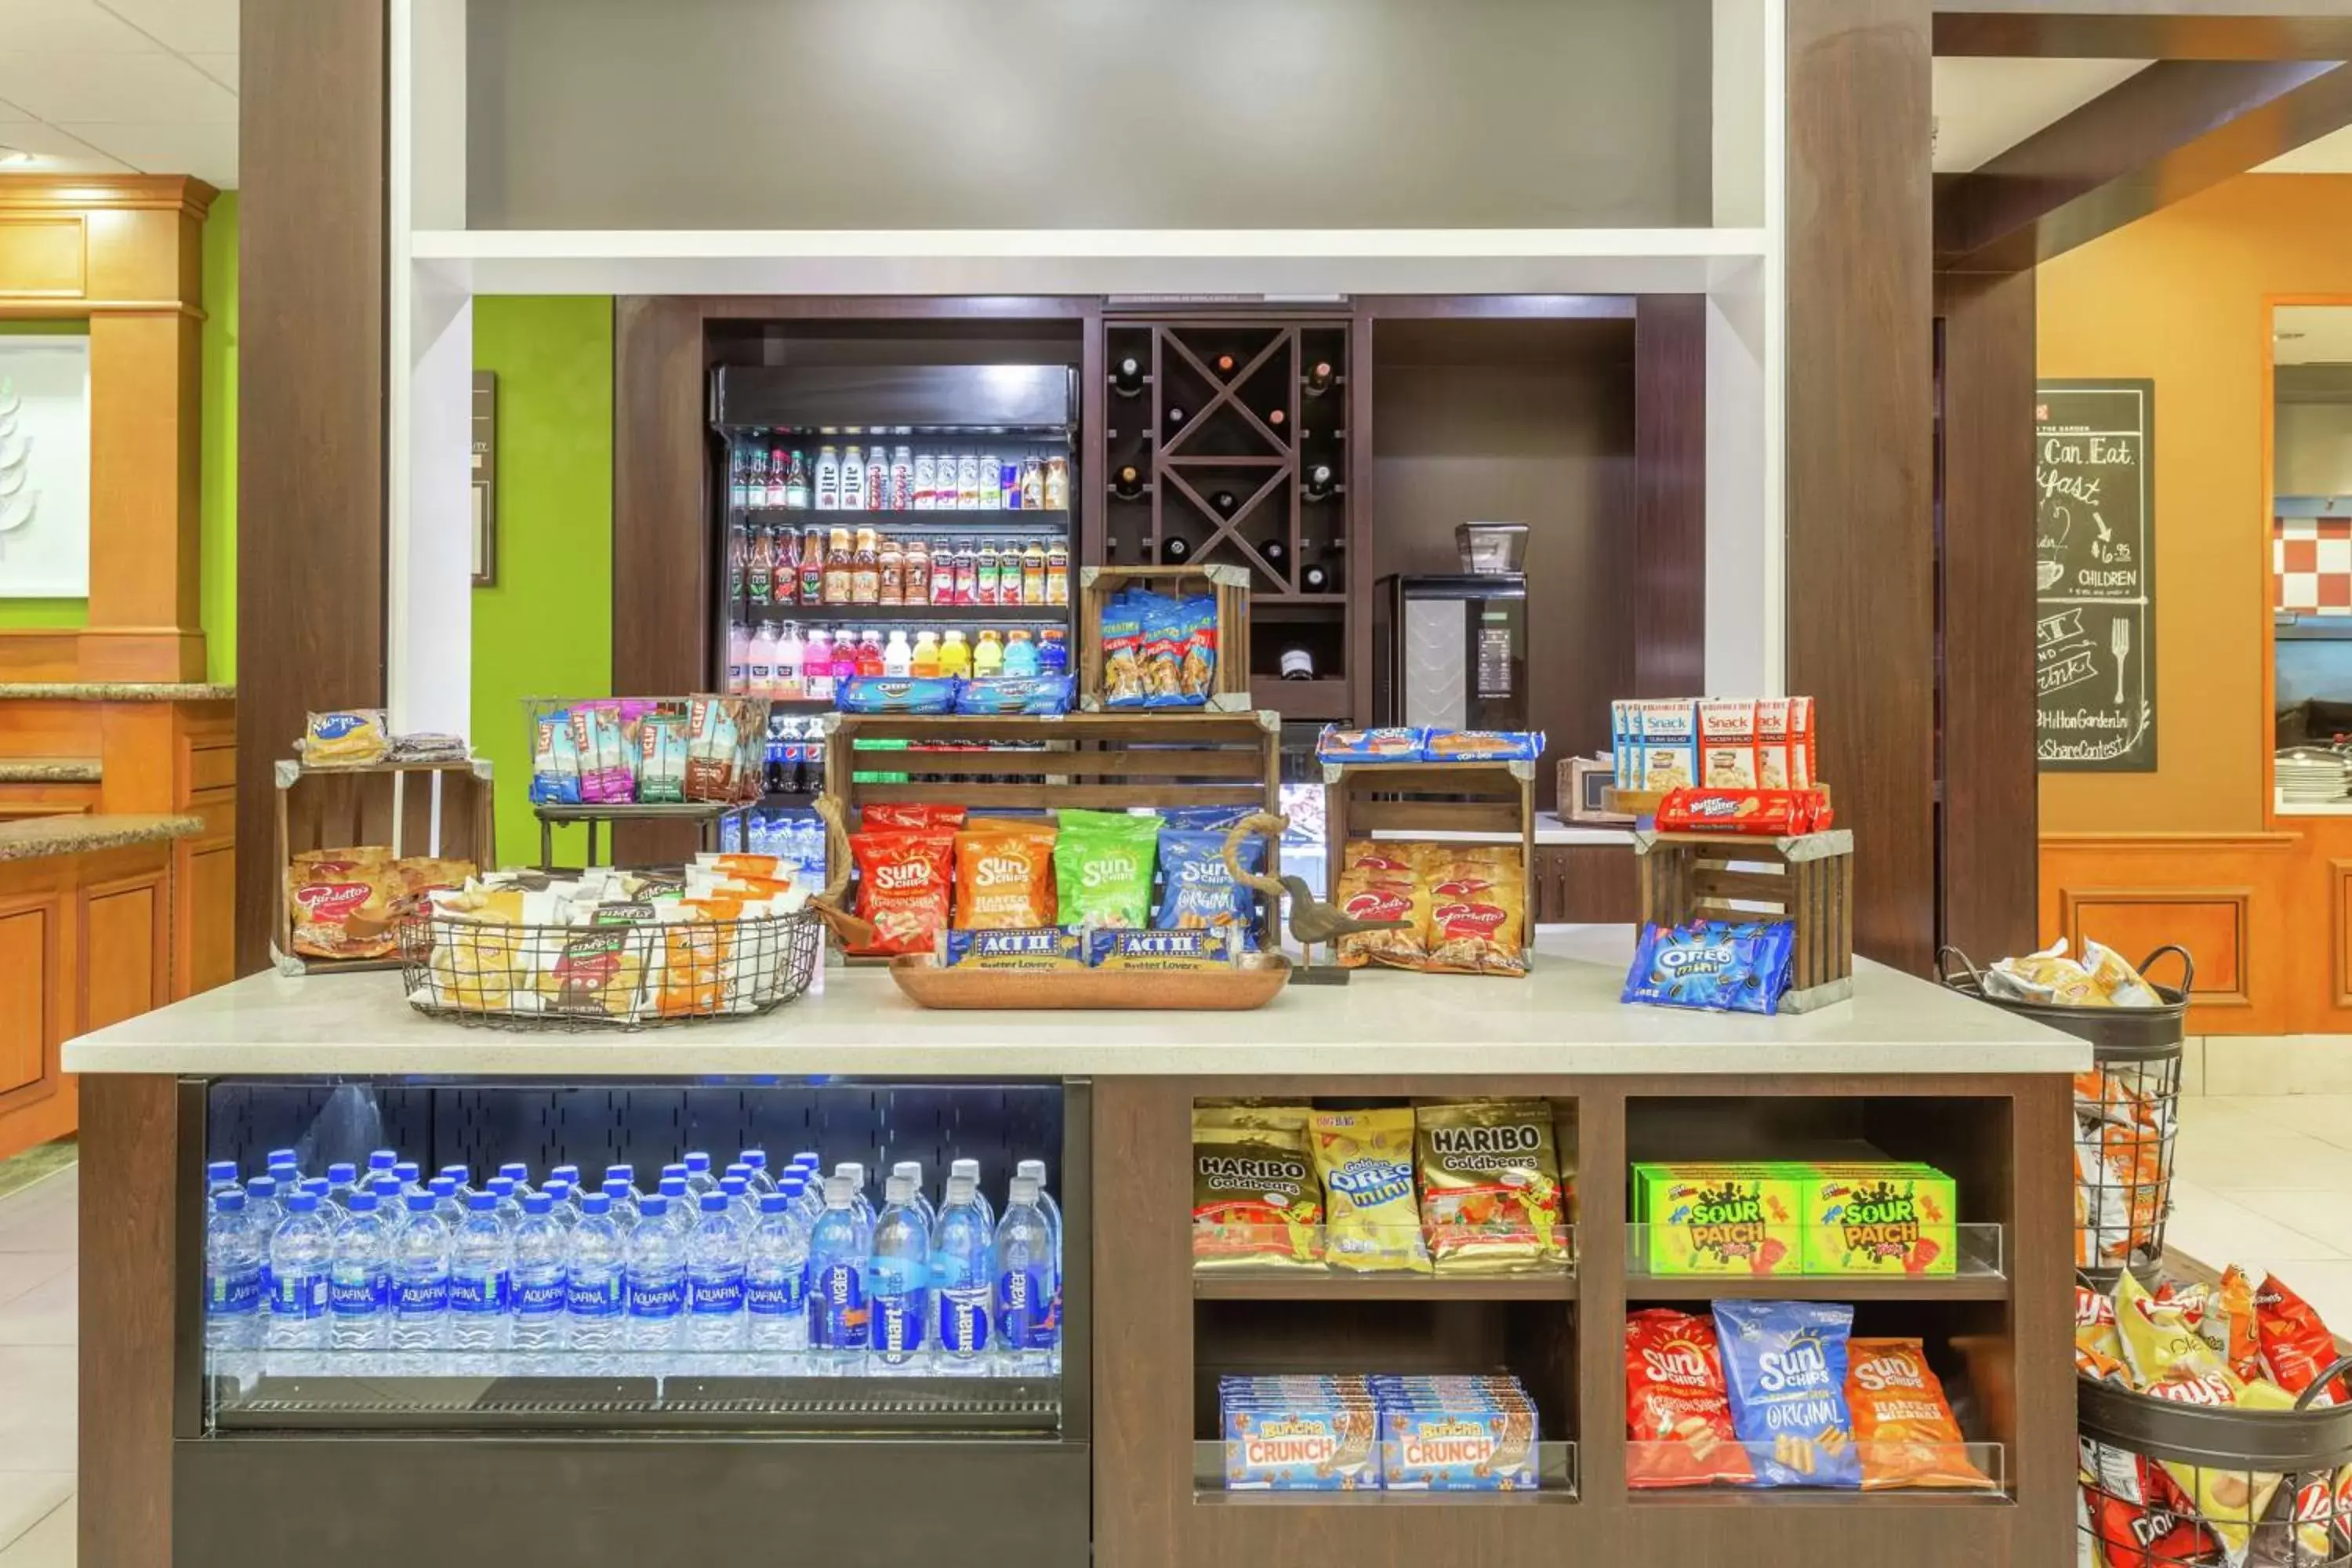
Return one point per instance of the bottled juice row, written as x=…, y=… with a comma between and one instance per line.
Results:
x=880, y=478
x=864, y=566
x=777, y=661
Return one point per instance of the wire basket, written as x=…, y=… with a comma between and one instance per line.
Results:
x=621, y=976
x=2127, y=1110
x=2167, y=1482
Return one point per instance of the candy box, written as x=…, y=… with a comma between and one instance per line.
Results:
x=1463, y=1444
x=1719, y=1219
x=1879, y=1219
x=1308, y=1444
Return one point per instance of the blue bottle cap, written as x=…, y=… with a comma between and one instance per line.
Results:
x=739, y=1169
x=302, y=1203
x=516, y=1169
x=443, y=1186
x=420, y=1203
x=675, y=1168
x=673, y=1186
x=456, y=1172
x=383, y=1158
x=792, y=1183
x=387, y=1187
x=221, y=1171
x=262, y=1187
x=734, y=1187
x=697, y=1161
x=231, y=1201
x=614, y=1187
x=755, y=1158
x=537, y=1203
x=407, y=1170
x=317, y=1186
x=596, y=1203
x=481, y=1202
x=775, y=1203
x=499, y=1186
x=807, y=1160
x=565, y=1173
x=627, y=1172
x=280, y=1157
x=361, y=1203
x=342, y=1173
x=557, y=1191
x=712, y=1202
x=656, y=1207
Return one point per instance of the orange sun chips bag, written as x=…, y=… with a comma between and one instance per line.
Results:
x=1004, y=880
x=1903, y=1426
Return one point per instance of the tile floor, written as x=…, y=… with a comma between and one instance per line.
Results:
x=38, y=1275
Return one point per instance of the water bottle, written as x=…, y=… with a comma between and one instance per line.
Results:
x=593, y=1284
x=564, y=1203
x=963, y=1271
x=756, y=1160
x=699, y=1178
x=913, y=1171
x=837, y=1320
x=570, y=1175
x=621, y=1203
x=481, y=1266
x=808, y=1160
x=298, y=1256
x=1026, y=1328
x=743, y=1207
x=655, y=1279
x=391, y=1205
x=420, y=1275
x=359, y=1277
x=507, y=1198
x=233, y=1293
x=411, y=1176
x=319, y=1187
x=896, y=1280
x=714, y=1278
x=978, y=1195
x=380, y=1163
x=862, y=1207
x=284, y=1160
x=220, y=1176
x=447, y=1206
x=518, y=1172
x=1036, y=1171
x=807, y=1191
x=265, y=1212
x=740, y=1169
x=343, y=1180
x=539, y=1293
x=463, y=1184
x=678, y=1211
x=775, y=1279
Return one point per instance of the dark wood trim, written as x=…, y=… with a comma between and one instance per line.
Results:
x=2134, y=30
x=131, y=1297
x=310, y=469
x=1990, y=798
x=2161, y=135
x=1669, y=495
x=1861, y=548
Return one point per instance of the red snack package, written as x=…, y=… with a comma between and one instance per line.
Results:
x=1760, y=812
x=1677, y=1413
x=2296, y=1346
x=2134, y=1535
x=902, y=886
x=908, y=814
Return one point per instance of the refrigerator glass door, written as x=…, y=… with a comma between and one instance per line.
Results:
x=1437, y=677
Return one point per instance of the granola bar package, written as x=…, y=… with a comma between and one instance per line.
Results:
x=713, y=739
x=1255, y=1199
x=1365, y=1158
x=1490, y=1194
x=1677, y=1414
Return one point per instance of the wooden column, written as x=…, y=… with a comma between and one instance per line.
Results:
x=1669, y=495
x=1860, y=606
x=310, y=428
x=131, y=1285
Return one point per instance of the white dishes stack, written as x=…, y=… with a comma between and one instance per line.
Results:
x=2310, y=776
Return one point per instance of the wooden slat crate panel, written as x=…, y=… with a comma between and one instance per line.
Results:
x=1230, y=690
x=1406, y=798
x=1807, y=882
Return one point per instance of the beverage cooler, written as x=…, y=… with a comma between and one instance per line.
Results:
x=618, y=1322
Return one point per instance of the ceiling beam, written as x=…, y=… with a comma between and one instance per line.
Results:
x=2141, y=30
x=2173, y=129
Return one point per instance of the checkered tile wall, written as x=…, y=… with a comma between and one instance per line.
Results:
x=2311, y=566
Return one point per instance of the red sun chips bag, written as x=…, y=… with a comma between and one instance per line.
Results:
x=1677, y=1414
x=902, y=886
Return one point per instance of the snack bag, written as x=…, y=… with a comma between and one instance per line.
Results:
x=1712, y=965
x=1335, y=744
x=1677, y=1416
x=342, y=902
x=1482, y=745
x=1119, y=949
x=1786, y=1365
x=1102, y=869
x=1477, y=918
x=1045, y=948
x=1004, y=880
x=910, y=814
x=596, y=973
x=1197, y=888
x=1903, y=1426
x=1163, y=653
x=902, y=886
x=1204, y=818
x=1122, y=650
x=1490, y=1197
x=1375, y=896
x=1391, y=860
x=692, y=952
x=2296, y=1346
x=2165, y=1354
x=1017, y=694
x=350, y=737
x=2232, y=1326
x=1365, y=1158
x=554, y=760
x=1197, y=671
x=2115, y=978
x=1256, y=1201
x=2098, y=1347
x=661, y=758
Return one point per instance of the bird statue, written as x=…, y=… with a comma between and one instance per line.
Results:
x=855, y=934
x=1313, y=922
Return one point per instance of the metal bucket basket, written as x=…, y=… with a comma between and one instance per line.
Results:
x=2125, y=1112
x=2164, y=1481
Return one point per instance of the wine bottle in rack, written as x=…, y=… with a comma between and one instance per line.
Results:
x=1175, y=551
x=1319, y=377
x=1176, y=417
x=1277, y=554
x=1127, y=377
x=1320, y=482
x=1275, y=418
x=1225, y=363
x=1126, y=482
x=1226, y=501
x=1315, y=580
x=1297, y=663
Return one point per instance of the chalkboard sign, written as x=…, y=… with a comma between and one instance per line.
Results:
x=2094, y=577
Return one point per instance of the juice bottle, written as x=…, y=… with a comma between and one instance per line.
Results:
x=816, y=665
x=811, y=567
x=845, y=655
x=1058, y=573
x=955, y=659
x=837, y=567
x=893, y=563
x=1053, y=651
x=759, y=568
x=925, y=660
x=988, y=655
x=897, y=658
x=790, y=651
x=739, y=655
x=967, y=572
x=786, y=568
x=1020, y=654
x=739, y=555
x=869, y=654
x=1032, y=574
x=916, y=589
x=943, y=573
x=759, y=678
x=828, y=480
x=865, y=570
x=986, y=578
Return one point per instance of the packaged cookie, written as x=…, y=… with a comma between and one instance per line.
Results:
x=1490, y=1197
x=1255, y=1199
x=1365, y=1158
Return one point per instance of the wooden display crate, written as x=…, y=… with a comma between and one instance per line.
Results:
x=1806, y=880
x=1230, y=692
x=1409, y=800
x=1103, y=762
x=451, y=814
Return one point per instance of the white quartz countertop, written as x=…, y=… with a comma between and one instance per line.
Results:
x=1549, y=829
x=1566, y=1018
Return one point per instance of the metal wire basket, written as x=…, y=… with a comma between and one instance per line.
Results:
x=2165, y=1482
x=621, y=976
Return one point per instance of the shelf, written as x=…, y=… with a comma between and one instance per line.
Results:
x=909, y=615
x=1324, y=697
x=1990, y=1459
x=1978, y=1275
x=1555, y=1473
x=1194, y=460
x=639, y=811
x=1260, y=600
x=1338, y=1285
x=923, y=523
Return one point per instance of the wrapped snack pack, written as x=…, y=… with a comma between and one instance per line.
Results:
x=1482, y=745
x=1903, y=1426
x=1365, y=1158
x=341, y=903
x=2100, y=978
x=598, y=734
x=1718, y=1218
x=1760, y=813
x=1121, y=948
x=902, y=694
x=1677, y=1414
x=1490, y=1186
x=1336, y=744
x=1477, y=916
x=1713, y=965
x=1041, y=948
x=1255, y=1199
x=714, y=745
x=1197, y=888
x=1004, y=879
x=1017, y=694
x=345, y=738
x=1786, y=1365
x=903, y=878
x=915, y=814
x=554, y=759
x=1102, y=867
x=1197, y=669
x=661, y=759
x=1122, y=651
x=2295, y=1345
x=1372, y=893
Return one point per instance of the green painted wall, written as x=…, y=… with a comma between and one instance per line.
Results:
x=546, y=628
x=219, y=494
x=43, y=615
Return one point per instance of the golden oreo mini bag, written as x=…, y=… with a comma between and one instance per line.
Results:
x=1365, y=1158
x=1490, y=1197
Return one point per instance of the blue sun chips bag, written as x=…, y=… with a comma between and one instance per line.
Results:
x=1785, y=1365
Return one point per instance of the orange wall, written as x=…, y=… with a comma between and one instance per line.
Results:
x=2178, y=297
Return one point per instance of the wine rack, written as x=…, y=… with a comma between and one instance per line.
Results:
x=1226, y=443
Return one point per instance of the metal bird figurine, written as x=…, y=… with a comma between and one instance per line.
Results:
x=1313, y=922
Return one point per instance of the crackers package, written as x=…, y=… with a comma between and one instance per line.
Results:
x=1477, y=916
x=1255, y=1199
x=902, y=886
x=1490, y=1192
x=346, y=738
x=1903, y=1426
x=1365, y=1158
x=1677, y=1414
x=1727, y=744
x=1004, y=880
x=1785, y=1365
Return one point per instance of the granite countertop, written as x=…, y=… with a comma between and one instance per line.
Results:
x=50, y=770
x=1566, y=1018
x=114, y=692
x=31, y=838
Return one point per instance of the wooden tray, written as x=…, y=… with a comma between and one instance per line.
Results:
x=1210, y=991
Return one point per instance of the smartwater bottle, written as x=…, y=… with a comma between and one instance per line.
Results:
x=594, y=1282
x=420, y=1278
x=233, y=1295
x=359, y=1278
x=962, y=1281
x=896, y=1276
x=298, y=1256
x=481, y=1265
x=837, y=1315
x=1026, y=1329
x=775, y=1280
x=538, y=1291
x=714, y=1279
x=853, y=1173
x=1036, y=1169
x=656, y=1279
x=972, y=1168
x=913, y=1171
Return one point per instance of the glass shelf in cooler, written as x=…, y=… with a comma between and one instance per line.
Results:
x=1989, y=1462
x=1556, y=1482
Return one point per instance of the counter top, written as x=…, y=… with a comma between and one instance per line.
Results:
x=31, y=839
x=1565, y=1019
x=50, y=770
x=1549, y=829
x=114, y=692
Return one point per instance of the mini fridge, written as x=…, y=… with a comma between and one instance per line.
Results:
x=1452, y=650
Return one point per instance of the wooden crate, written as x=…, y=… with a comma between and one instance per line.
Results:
x=1806, y=880
x=1104, y=761
x=1408, y=800
x=1230, y=690
x=415, y=808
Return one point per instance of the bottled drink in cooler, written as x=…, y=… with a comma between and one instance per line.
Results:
x=1020, y=654
x=759, y=571
x=789, y=649
x=897, y=658
x=1026, y=1329
x=923, y=659
x=917, y=572
x=913, y=1171
x=539, y=1289
x=622, y=1191
x=987, y=583
x=828, y=480
x=967, y=482
x=987, y=655
x=891, y=561
x=594, y=1278
x=877, y=478
x=775, y=1274
x=699, y=1178
x=233, y=1295
x=481, y=1261
x=420, y=1277
x=1036, y=1171
x=895, y=1276
x=811, y=567
x=839, y=567
x=655, y=1277
x=678, y=1206
x=816, y=667
x=359, y=1279
x=507, y=1190
x=866, y=570
x=784, y=568
x=961, y=1257
x=970, y=1168
x=762, y=1184
x=902, y=479
x=1032, y=574
x=853, y=478
x=220, y=1176
x=853, y=657
x=714, y=1279
x=837, y=1314
x=796, y=483
x=743, y=1207
x=925, y=482
x=1053, y=651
